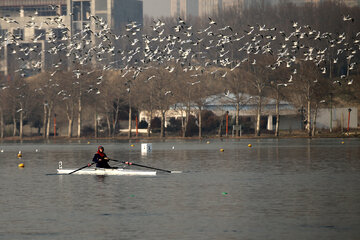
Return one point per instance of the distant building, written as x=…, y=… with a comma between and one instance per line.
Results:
x=349, y=3
x=201, y=8
x=208, y=8
x=30, y=28
x=184, y=8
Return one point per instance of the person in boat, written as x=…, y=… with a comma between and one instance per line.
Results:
x=101, y=159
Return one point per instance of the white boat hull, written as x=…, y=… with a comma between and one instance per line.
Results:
x=105, y=171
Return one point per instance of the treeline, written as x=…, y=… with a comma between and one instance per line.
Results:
x=307, y=55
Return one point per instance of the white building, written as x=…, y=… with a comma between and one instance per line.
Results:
x=291, y=118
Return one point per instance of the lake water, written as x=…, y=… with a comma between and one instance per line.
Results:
x=277, y=189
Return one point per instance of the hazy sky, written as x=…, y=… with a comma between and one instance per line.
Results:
x=157, y=8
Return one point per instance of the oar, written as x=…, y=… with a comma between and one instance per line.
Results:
x=139, y=165
x=88, y=165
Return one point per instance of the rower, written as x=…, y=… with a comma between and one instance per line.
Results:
x=101, y=159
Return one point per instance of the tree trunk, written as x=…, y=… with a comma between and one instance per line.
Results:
x=95, y=125
x=258, y=118
x=48, y=121
x=220, y=127
x=149, y=124
x=70, y=125
x=45, y=120
x=237, y=132
x=186, y=119
x=277, y=113
x=108, y=119
x=308, y=98
x=108, y=124
x=14, y=123
x=130, y=122
x=308, y=125
x=70, y=117
x=2, y=126
x=116, y=117
x=162, y=129
x=21, y=124
x=314, y=121
x=79, y=117
x=200, y=123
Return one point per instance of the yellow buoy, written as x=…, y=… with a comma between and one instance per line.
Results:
x=88, y=142
x=19, y=154
x=249, y=145
x=342, y=142
x=21, y=165
x=221, y=150
x=132, y=145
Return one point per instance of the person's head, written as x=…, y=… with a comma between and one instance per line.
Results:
x=101, y=149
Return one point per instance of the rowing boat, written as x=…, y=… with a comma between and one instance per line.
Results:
x=105, y=171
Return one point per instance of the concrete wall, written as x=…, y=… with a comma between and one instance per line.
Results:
x=292, y=122
x=339, y=118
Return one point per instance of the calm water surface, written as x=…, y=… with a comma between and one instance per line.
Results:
x=278, y=189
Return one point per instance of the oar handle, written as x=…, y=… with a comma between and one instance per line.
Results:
x=139, y=165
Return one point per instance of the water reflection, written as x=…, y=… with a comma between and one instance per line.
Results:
x=100, y=178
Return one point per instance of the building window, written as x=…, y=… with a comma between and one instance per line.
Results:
x=3, y=33
x=10, y=11
x=76, y=8
x=81, y=11
x=40, y=34
x=63, y=10
x=86, y=34
x=59, y=33
x=86, y=11
x=19, y=34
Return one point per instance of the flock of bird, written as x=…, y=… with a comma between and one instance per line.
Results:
x=213, y=49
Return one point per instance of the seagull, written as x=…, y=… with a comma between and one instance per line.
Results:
x=237, y=65
x=291, y=78
x=212, y=22
x=149, y=78
x=348, y=18
x=193, y=83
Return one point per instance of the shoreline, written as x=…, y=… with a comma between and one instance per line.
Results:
x=244, y=136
